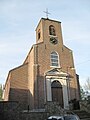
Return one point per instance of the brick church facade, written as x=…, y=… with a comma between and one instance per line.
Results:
x=48, y=72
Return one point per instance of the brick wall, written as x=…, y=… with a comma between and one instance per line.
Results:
x=16, y=87
x=19, y=77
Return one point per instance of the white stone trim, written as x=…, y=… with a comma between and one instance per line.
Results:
x=63, y=82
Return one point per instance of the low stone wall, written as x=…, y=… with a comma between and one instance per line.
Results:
x=8, y=105
x=33, y=116
x=11, y=110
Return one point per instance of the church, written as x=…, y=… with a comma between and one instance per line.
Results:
x=47, y=74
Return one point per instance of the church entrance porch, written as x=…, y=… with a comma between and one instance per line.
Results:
x=56, y=88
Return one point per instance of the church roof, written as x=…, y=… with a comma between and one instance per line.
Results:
x=48, y=20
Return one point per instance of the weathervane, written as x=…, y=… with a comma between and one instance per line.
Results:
x=47, y=13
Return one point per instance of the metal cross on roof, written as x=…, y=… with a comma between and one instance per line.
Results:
x=47, y=13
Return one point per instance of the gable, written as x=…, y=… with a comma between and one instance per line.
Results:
x=56, y=71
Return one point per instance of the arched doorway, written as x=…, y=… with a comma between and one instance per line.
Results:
x=57, y=93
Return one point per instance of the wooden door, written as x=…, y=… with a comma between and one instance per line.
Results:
x=57, y=93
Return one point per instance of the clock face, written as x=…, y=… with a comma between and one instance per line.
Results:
x=53, y=40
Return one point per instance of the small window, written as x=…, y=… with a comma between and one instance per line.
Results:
x=39, y=34
x=52, y=30
x=54, y=59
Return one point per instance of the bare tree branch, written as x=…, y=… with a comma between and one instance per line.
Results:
x=87, y=84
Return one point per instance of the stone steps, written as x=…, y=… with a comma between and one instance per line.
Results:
x=83, y=115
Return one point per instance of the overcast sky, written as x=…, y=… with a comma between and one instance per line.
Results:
x=19, y=18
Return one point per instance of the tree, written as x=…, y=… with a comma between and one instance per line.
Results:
x=87, y=84
x=82, y=93
x=1, y=91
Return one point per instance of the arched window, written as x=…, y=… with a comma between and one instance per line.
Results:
x=54, y=59
x=52, y=30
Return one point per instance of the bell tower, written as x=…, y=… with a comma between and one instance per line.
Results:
x=49, y=32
